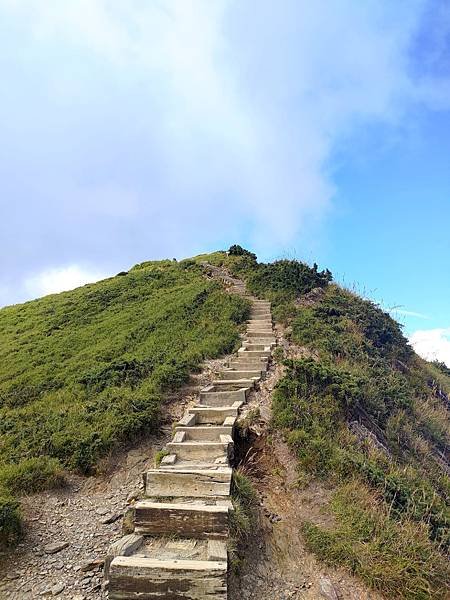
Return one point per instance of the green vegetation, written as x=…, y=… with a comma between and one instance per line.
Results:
x=244, y=501
x=370, y=417
x=87, y=370
x=392, y=556
x=159, y=456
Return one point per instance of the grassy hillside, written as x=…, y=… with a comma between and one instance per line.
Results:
x=86, y=370
x=367, y=415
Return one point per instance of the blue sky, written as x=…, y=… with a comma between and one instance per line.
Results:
x=146, y=129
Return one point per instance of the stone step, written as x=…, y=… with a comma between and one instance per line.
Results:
x=187, y=519
x=133, y=578
x=189, y=483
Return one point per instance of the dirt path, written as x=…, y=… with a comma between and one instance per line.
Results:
x=84, y=518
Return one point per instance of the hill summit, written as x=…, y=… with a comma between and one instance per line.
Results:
x=87, y=371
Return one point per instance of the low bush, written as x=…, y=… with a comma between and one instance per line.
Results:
x=10, y=520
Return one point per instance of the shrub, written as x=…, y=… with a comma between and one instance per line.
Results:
x=290, y=277
x=237, y=250
x=10, y=521
x=31, y=475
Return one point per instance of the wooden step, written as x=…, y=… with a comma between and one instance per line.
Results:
x=214, y=414
x=257, y=333
x=243, y=374
x=205, y=432
x=225, y=385
x=199, y=450
x=244, y=353
x=135, y=578
x=189, y=520
x=189, y=483
x=211, y=396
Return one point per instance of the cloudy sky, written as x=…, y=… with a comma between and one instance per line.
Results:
x=141, y=129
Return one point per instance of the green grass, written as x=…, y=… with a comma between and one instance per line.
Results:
x=244, y=497
x=391, y=508
x=87, y=370
x=392, y=556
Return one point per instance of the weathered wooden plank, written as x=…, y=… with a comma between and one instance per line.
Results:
x=188, y=483
x=124, y=546
x=212, y=397
x=217, y=550
x=213, y=414
x=205, y=432
x=146, y=579
x=188, y=520
x=198, y=450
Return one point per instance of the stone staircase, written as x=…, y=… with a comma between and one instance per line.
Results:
x=178, y=549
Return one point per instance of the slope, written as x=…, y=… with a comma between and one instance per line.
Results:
x=86, y=370
x=361, y=411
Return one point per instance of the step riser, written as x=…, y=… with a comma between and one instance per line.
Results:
x=258, y=333
x=159, y=483
x=247, y=364
x=241, y=374
x=253, y=346
x=141, y=579
x=231, y=385
x=206, y=452
x=254, y=353
x=222, y=398
x=188, y=523
x=262, y=321
x=211, y=416
x=207, y=434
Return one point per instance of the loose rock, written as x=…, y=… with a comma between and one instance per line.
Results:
x=55, y=547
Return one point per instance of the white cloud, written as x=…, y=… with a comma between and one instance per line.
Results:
x=432, y=344
x=52, y=281
x=166, y=128
x=238, y=98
